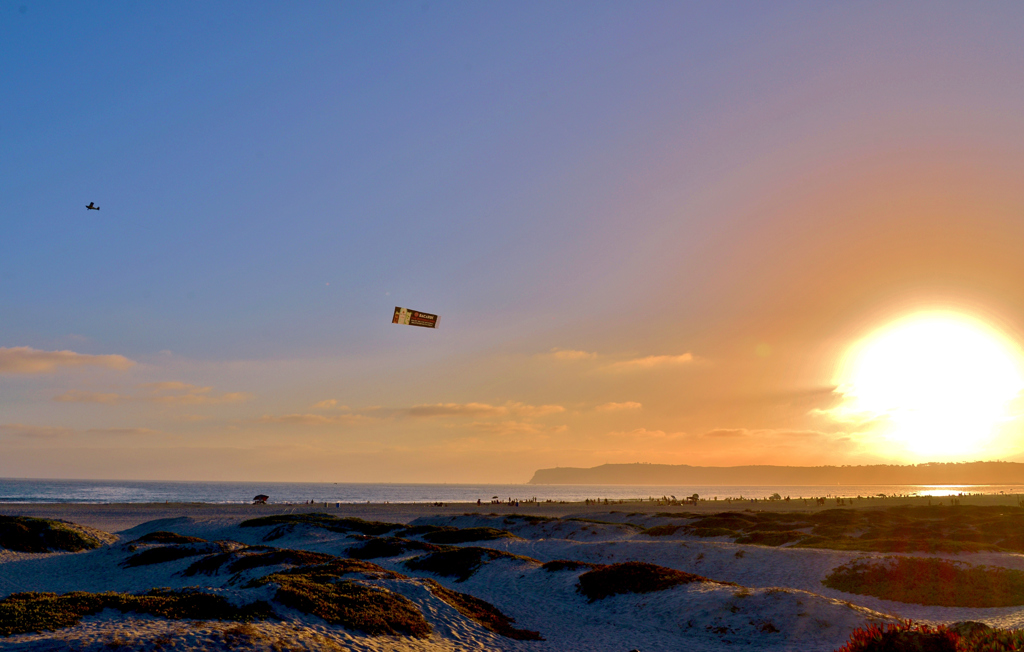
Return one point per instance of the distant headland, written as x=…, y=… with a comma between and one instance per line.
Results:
x=882, y=474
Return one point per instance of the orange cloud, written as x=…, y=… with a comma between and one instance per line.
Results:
x=729, y=433
x=644, y=433
x=34, y=432
x=165, y=393
x=123, y=432
x=329, y=404
x=568, y=354
x=481, y=409
x=79, y=396
x=26, y=360
x=651, y=362
x=512, y=427
x=455, y=409
x=313, y=419
x=618, y=407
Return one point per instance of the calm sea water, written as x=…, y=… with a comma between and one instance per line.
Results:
x=123, y=491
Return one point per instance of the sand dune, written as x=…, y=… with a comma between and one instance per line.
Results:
x=765, y=598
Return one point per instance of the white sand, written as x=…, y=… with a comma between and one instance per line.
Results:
x=779, y=603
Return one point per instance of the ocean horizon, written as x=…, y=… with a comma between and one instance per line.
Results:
x=30, y=490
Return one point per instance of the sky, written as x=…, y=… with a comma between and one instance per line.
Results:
x=654, y=232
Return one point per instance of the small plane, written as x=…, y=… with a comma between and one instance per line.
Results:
x=92, y=206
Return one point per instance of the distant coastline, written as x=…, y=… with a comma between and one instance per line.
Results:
x=935, y=473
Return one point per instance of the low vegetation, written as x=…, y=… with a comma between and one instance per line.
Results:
x=910, y=637
x=251, y=557
x=167, y=537
x=164, y=554
x=484, y=613
x=932, y=529
x=35, y=612
x=376, y=548
x=466, y=535
x=532, y=519
x=324, y=521
x=930, y=581
x=632, y=577
x=246, y=560
x=459, y=563
x=665, y=530
x=322, y=591
x=568, y=565
x=27, y=534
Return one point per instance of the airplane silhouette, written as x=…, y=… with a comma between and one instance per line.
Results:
x=92, y=206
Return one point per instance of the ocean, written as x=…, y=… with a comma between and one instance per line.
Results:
x=20, y=490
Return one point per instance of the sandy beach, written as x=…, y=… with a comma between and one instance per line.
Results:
x=121, y=516
x=765, y=597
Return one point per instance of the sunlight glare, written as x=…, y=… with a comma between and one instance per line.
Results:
x=940, y=382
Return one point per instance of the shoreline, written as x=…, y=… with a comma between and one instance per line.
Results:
x=115, y=517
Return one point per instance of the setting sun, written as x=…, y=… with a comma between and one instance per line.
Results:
x=938, y=382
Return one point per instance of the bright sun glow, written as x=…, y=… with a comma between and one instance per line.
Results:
x=940, y=382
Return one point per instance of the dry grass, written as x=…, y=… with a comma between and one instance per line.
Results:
x=484, y=613
x=27, y=534
x=632, y=577
x=930, y=581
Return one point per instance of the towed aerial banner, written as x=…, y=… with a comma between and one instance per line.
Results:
x=414, y=318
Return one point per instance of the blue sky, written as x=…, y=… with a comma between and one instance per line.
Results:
x=632, y=181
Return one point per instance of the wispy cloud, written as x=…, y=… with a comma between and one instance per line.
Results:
x=569, y=354
x=165, y=393
x=26, y=360
x=651, y=362
x=329, y=404
x=80, y=396
x=313, y=419
x=455, y=410
x=50, y=432
x=481, y=410
x=123, y=432
x=511, y=427
x=645, y=434
x=619, y=407
x=34, y=432
x=737, y=433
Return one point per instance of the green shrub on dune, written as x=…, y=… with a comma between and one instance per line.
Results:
x=28, y=534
